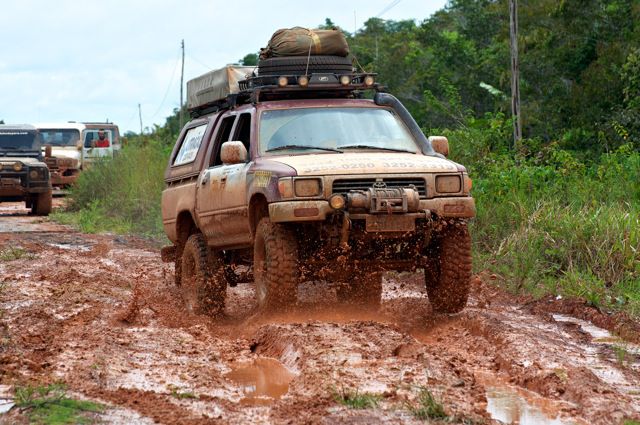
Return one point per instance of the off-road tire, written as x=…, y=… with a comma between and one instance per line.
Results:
x=448, y=274
x=275, y=266
x=202, y=282
x=42, y=203
x=364, y=289
x=297, y=65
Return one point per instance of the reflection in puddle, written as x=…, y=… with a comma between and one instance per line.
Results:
x=509, y=407
x=262, y=381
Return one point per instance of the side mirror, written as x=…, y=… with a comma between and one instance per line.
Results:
x=93, y=143
x=47, y=151
x=440, y=144
x=79, y=145
x=233, y=153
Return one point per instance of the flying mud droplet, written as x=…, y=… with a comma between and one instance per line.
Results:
x=263, y=381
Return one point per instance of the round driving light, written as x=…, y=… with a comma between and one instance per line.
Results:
x=33, y=174
x=368, y=80
x=283, y=81
x=337, y=202
x=303, y=81
x=345, y=80
x=17, y=166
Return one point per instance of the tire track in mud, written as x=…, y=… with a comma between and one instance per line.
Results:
x=102, y=314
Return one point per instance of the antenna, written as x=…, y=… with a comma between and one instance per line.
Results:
x=181, y=84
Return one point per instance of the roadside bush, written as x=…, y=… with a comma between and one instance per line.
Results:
x=122, y=194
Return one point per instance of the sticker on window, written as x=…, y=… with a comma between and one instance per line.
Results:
x=190, y=146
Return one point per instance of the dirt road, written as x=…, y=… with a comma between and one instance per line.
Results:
x=101, y=314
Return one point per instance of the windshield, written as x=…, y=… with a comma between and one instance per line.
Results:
x=59, y=137
x=333, y=129
x=18, y=140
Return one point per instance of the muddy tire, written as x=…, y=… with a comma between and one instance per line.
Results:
x=448, y=270
x=42, y=203
x=275, y=266
x=202, y=283
x=177, y=264
x=365, y=289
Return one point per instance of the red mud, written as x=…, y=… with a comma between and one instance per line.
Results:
x=101, y=313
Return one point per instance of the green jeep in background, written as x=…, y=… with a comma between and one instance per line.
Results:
x=23, y=174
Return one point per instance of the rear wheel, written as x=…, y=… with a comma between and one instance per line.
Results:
x=448, y=270
x=275, y=265
x=202, y=281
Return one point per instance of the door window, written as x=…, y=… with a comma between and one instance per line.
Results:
x=223, y=134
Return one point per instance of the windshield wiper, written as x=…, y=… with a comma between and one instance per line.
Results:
x=376, y=147
x=285, y=147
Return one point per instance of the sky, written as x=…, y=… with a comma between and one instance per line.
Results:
x=93, y=60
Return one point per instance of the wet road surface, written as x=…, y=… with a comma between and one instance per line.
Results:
x=101, y=314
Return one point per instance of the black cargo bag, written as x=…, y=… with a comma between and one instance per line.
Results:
x=298, y=41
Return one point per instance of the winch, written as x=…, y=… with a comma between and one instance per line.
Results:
x=384, y=200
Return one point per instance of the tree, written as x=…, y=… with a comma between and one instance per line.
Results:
x=250, y=59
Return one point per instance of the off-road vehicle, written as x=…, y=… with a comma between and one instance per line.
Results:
x=63, y=151
x=23, y=174
x=298, y=177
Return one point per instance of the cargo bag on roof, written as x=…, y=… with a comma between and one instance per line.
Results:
x=297, y=42
x=216, y=85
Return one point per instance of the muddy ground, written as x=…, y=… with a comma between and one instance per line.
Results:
x=101, y=314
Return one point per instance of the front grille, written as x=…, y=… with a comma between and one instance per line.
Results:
x=343, y=186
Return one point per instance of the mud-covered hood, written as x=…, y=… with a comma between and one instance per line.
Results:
x=24, y=160
x=366, y=163
x=65, y=152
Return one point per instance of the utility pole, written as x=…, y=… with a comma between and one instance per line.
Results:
x=515, y=73
x=140, y=115
x=181, y=84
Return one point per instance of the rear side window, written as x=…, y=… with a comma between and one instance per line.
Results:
x=190, y=145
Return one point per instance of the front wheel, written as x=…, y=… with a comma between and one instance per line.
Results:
x=202, y=283
x=275, y=265
x=42, y=203
x=448, y=270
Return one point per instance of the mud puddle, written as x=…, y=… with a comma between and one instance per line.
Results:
x=507, y=406
x=263, y=381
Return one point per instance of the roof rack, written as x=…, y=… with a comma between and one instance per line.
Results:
x=255, y=89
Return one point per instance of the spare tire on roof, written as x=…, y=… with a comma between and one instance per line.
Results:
x=297, y=65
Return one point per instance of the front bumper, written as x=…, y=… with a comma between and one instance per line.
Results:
x=59, y=179
x=318, y=210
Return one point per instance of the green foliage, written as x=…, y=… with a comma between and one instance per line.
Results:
x=50, y=405
x=426, y=406
x=250, y=59
x=354, y=399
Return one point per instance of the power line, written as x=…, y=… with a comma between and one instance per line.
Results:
x=166, y=93
x=390, y=6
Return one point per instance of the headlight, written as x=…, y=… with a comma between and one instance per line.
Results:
x=17, y=166
x=448, y=184
x=307, y=187
x=33, y=174
x=337, y=202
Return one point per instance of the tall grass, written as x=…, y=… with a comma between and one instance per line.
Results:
x=121, y=194
x=550, y=222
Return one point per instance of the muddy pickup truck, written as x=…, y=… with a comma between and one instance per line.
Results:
x=300, y=178
x=23, y=174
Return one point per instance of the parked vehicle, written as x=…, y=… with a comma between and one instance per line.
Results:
x=302, y=178
x=62, y=144
x=23, y=174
